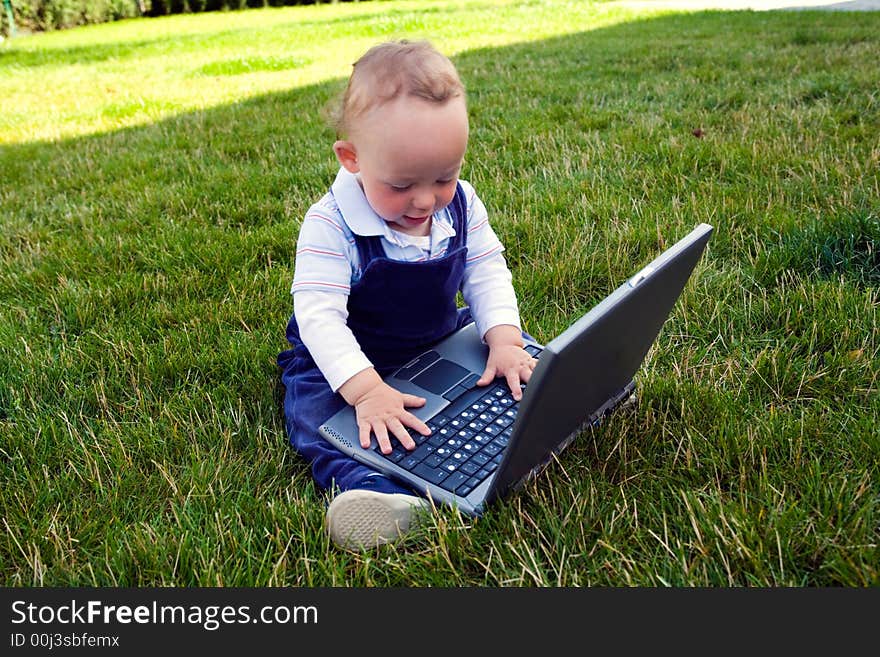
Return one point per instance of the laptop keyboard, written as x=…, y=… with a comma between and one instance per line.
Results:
x=467, y=444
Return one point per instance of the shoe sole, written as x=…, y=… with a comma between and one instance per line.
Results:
x=360, y=519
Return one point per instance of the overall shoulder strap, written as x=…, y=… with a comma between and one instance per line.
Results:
x=368, y=248
x=458, y=210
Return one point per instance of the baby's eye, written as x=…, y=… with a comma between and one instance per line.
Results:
x=400, y=188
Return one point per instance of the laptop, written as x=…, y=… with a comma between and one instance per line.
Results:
x=484, y=445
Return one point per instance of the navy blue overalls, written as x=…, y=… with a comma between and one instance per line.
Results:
x=395, y=310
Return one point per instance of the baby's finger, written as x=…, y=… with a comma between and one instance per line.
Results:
x=382, y=438
x=412, y=421
x=487, y=377
x=364, y=434
x=412, y=401
x=513, y=383
x=401, y=434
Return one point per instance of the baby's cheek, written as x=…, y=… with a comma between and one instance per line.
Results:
x=450, y=194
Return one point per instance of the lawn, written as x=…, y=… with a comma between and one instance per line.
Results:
x=155, y=172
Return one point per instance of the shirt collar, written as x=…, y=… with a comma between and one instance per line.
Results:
x=363, y=220
x=353, y=205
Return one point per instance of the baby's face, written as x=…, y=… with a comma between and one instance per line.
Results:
x=409, y=155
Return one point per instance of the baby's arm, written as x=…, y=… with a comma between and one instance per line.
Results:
x=488, y=290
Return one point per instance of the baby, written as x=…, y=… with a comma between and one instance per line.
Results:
x=379, y=262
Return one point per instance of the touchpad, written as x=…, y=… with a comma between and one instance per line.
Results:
x=441, y=376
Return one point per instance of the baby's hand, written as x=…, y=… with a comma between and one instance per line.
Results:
x=382, y=409
x=510, y=361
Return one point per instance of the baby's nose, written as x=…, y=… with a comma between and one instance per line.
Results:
x=423, y=201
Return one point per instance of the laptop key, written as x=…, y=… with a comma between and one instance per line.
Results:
x=422, y=452
x=455, y=481
x=409, y=462
x=437, y=440
x=480, y=458
x=396, y=454
x=446, y=451
x=455, y=442
x=418, y=438
x=470, y=381
x=475, y=481
x=439, y=420
x=470, y=468
x=450, y=465
x=434, y=475
x=434, y=460
x=491, y=450
x=455, y=393
x=443, y=432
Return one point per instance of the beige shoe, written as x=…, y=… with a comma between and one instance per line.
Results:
x=362, y=519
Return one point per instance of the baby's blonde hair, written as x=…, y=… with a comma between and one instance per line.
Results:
x=393, y=69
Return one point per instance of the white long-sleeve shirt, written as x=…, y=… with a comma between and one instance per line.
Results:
x=327, y=264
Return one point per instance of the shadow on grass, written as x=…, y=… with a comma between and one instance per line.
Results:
x=132, y=49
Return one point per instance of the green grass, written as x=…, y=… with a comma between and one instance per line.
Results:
x=154, y=174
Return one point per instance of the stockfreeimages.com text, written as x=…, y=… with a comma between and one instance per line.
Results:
x=211, y=617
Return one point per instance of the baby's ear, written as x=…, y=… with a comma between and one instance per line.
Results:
x=347, y=155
